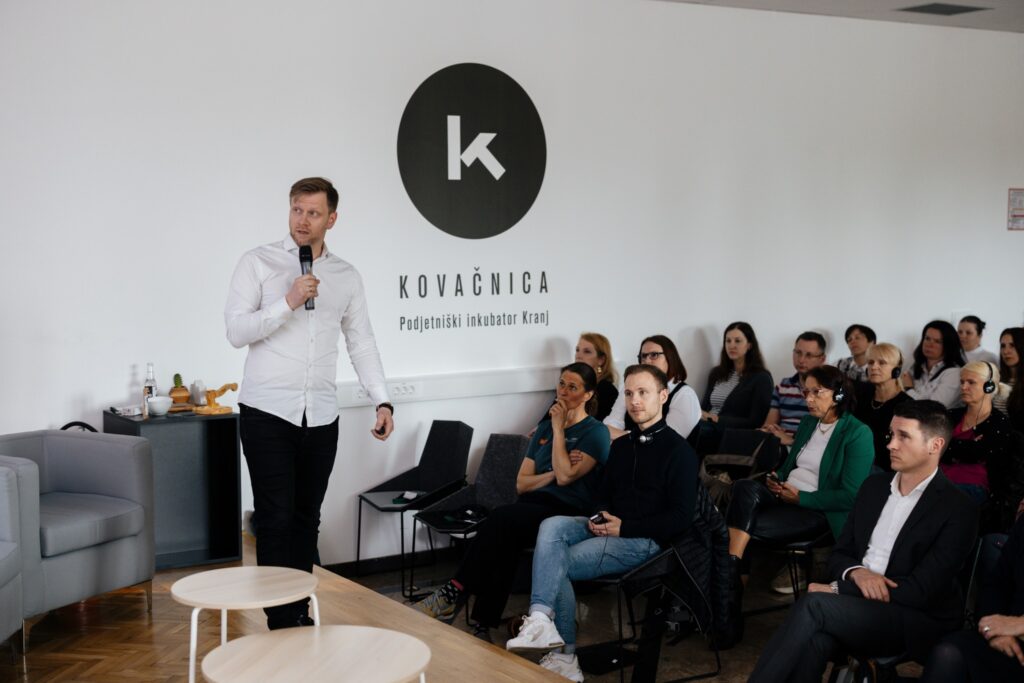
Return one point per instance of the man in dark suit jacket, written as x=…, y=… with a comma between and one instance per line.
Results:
x=895, y=564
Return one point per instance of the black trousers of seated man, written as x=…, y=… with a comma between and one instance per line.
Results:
x=289, y=467
x=489, y=567
x=821, y=625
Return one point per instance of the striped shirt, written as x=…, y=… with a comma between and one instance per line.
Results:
x=788, y=399
x=722, y=390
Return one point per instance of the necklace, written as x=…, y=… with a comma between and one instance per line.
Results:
x=825, y=430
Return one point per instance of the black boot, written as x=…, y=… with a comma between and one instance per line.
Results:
x=732, y=630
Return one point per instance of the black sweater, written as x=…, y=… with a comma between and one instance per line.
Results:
x=651, y=486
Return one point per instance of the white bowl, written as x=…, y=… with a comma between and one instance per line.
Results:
x=159, y=405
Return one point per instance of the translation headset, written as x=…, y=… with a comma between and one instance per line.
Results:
x=648, y=438
x=898, y=370
x=989, y=387
x=839, y=395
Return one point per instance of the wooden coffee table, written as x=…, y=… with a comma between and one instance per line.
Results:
x=333, y=654
x=240, y=588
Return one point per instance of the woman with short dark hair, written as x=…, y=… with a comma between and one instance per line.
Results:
x=937, y=362
x=813, y=491
x=859, y=338
x=970, y=330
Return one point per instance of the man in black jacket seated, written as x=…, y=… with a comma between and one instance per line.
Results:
x=646, y=499
x=895, y=563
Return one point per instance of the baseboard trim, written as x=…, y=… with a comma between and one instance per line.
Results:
x=391, y=563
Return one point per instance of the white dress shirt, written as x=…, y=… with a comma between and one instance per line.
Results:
x=894, y=515
x=293, y=355
x=683, y=414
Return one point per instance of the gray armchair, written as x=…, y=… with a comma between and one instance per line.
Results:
x=10, y=555
x=86, y=516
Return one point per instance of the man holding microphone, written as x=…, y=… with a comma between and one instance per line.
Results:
x=288, y=404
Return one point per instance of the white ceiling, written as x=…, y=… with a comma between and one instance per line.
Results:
x=998, y=15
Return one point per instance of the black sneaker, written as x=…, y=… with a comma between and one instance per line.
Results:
x=483, y=633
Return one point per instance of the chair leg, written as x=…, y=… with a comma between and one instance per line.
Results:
x=147, y=586
x=412, y=569
x=22, y=637
x=359, y=536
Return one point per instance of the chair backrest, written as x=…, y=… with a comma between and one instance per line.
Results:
x=496, y=479
x=445, y=454
x=763, y=446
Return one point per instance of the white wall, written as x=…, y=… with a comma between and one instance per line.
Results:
x=704, y=165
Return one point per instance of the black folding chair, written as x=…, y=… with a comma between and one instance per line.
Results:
x=440, y=472
x=460, y=513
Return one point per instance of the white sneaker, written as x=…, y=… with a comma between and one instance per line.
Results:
x=538, y=634
x=563, y=665
x=782, y=583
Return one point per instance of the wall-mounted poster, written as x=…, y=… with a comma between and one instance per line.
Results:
x=1015, y=214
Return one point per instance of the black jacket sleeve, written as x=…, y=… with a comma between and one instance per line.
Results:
x=757, y=403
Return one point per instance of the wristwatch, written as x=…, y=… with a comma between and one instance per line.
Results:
x=388, y=406
x=835, y=587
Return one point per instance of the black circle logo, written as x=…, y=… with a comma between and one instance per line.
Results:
x=471, y=151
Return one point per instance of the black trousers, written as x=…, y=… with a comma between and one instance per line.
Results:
x=965, y=656
x=289, y=467
x=489, y=568
x=755, y=510
x=821, y=625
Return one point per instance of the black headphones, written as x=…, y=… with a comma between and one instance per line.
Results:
x=648, y=438
x=989, y=387
x=898, y=370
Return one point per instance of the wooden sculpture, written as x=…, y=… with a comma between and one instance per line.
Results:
x=212, y=407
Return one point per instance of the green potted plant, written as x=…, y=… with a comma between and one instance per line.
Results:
x=180, y=393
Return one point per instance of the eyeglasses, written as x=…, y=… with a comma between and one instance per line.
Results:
x=806, y=354
x=649, y=356
x=813, y=392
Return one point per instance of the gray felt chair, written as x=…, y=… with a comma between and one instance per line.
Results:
x=10, y=555
x=85, y=509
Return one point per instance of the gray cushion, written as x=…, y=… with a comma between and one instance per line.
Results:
x=10, y=561
x=70, y=521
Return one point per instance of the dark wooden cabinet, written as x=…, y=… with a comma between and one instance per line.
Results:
x=197, y=485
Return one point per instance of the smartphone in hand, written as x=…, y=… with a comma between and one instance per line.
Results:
x=598, y=519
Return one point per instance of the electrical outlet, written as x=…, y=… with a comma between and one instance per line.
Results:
x=405, y=390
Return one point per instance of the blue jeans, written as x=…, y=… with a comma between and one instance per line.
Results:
x=566, y=551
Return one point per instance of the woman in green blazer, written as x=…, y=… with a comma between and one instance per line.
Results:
x=814, y=489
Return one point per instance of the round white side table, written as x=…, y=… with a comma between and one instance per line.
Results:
x=322, y=654
x=240, y=588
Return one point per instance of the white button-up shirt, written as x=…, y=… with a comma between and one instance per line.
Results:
x=293, y=355
x=894, y=515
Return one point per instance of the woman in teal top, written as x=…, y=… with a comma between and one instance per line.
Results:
x=813, y=491
x=561, y=467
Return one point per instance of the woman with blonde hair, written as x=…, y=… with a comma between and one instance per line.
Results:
x=596, y=351
x=979, y=446
x=878, y=398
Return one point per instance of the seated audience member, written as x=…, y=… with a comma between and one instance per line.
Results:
x=877, y=399
x=646, y=500
x=969, y=331
x=894, y=566
x=596, y=351
x=788, y=406
x=1015, y=407
x=1010, y=368
x=813, y=491
x=992, y=651
x=937, y=363
x=739, y=389
x=981, y=434
x=859, y=338
x=682, y=409
x=550, y=482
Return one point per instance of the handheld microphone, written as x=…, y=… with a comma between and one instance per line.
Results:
x=306, y=262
